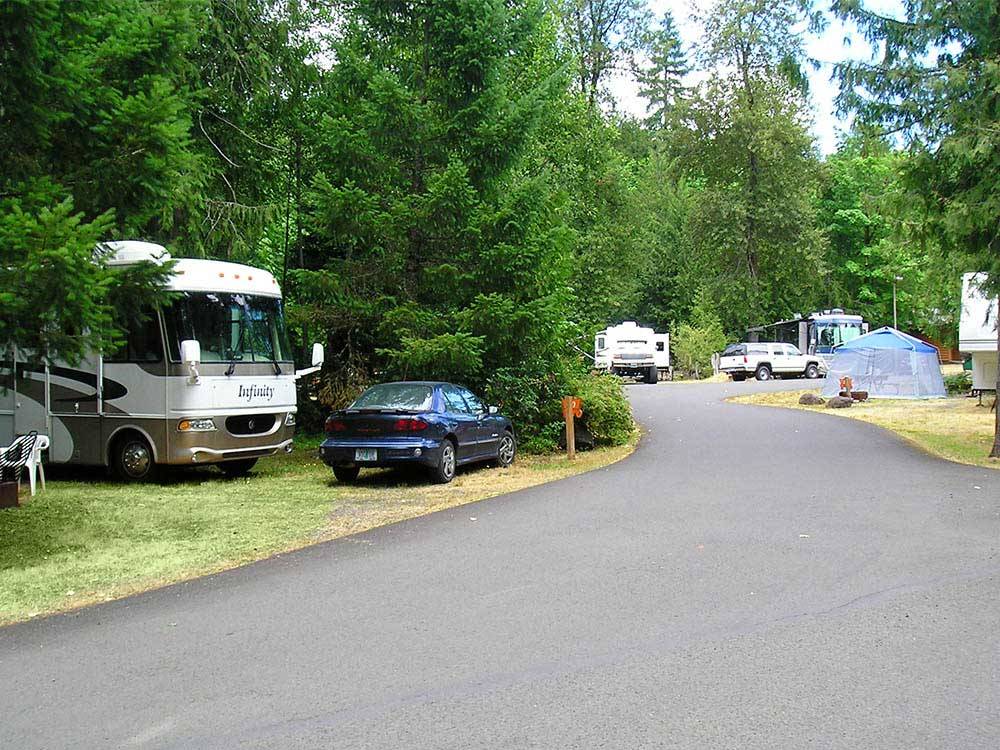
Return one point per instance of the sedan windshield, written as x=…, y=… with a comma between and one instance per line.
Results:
x=408, y=396
x=229, y=327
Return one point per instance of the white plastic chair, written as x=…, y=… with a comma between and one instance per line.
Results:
x=34, y=462
x=25, y=453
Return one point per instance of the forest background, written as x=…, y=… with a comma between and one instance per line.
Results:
x=445, y=188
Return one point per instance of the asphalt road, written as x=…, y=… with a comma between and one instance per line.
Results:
x=749, y=578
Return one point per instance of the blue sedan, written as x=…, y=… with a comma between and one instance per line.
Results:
x=437, y=425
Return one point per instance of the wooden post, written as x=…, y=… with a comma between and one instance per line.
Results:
x=572, y=407
x=846, y=384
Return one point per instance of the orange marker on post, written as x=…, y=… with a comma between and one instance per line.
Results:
x=572, y=408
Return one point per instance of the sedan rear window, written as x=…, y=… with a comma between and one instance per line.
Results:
x=395, y=396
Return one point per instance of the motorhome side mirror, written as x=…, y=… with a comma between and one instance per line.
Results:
x=190, y=352
x=318, y=355
x=494, y=410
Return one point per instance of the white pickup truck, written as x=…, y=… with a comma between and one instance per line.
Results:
x=765, y=361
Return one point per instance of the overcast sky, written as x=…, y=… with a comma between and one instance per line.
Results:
x=828, y=48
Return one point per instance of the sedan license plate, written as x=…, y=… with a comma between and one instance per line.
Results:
x=365, y=454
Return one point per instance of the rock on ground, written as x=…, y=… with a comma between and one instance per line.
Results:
x=811, y=399
x=839, y=402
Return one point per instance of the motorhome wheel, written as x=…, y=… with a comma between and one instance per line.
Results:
x=132, y=458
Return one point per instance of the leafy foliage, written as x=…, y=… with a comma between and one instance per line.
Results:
x=694, y=343
x=936, y=82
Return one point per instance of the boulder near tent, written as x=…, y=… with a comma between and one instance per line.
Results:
x=888, y=364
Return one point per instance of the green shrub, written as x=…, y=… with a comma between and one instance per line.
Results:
x=606, y=410
x=958, y=384
x=533, y=401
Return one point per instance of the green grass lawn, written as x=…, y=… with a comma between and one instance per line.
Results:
x=87, y=539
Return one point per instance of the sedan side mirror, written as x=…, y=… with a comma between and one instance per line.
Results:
x=494, y=410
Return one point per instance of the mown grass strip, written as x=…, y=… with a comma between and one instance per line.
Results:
x=87, y=540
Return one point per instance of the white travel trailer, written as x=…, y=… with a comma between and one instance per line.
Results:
x=632, y=350
x=977, y=332
x=207, y=380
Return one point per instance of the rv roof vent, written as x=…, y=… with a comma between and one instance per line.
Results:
x=797, y=316
x=126, y=252
x=837, y=310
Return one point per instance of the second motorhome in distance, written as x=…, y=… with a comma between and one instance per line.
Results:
x=632, y=350
x=817, y=333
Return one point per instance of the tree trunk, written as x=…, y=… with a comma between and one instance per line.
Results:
x=995, y=453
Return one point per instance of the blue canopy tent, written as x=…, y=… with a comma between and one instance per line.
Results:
x=888, y=364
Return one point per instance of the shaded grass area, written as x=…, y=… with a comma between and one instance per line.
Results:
x=957, y=429
x=87, y=539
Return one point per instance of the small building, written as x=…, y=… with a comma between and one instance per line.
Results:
x=977, y=332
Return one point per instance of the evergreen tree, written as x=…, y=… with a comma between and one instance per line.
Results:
x=936, y=83
x=753, y=227
x=602, y=37
x=660, y=80
x=95, y=118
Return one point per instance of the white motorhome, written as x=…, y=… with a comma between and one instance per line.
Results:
x=209, y=379
x=977, y=332
x=632, y=350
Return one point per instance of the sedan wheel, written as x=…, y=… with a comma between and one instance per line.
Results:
x=507, y=450
x=444, y=472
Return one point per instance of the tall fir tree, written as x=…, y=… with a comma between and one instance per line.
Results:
x=661, y=80
x=935, y=82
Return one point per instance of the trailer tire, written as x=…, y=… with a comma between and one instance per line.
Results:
x=131, y=458
x=739, y=377
x=238, y=468
x=763, y=373
x=652, y=375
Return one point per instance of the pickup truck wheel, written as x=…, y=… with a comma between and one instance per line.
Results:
x=739, y=377
x=763, y=373
x=812, y=371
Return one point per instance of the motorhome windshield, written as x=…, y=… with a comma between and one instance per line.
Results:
x=834, y=334
x=229, y=327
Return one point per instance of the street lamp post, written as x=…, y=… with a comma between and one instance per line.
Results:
x=895, y=323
